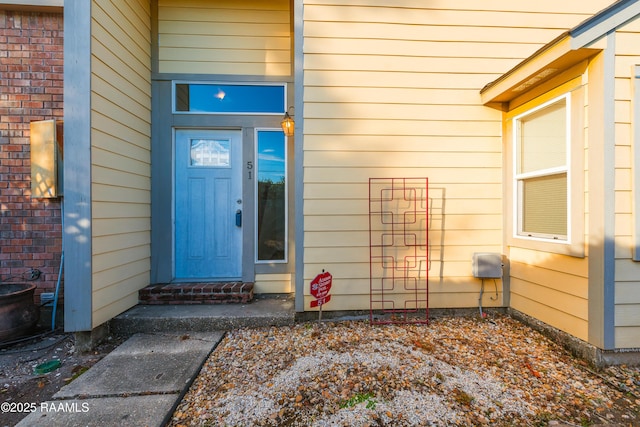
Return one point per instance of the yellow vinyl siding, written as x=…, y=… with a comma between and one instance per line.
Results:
x=539, y=7
x=398, y=111
x=122, y=179
x=570, y=324
x=500, y=14
x=106, y=158
x=390, y=79
x=552, y=288
x=391, y=95
x=360, y=222
x=109, y=243
x=436, y=176
x=273, y=284
x=120, y=154
x=391, y=89
x=627, y=272
x=225, y=37
x=347, y=191
x=447, y=33
x=403, y=48
x=399, y=128
x=403, y=160
x=117, y=293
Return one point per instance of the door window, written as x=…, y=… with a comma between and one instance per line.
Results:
x=210, y=153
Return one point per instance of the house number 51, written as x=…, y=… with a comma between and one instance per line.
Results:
x=249, y=168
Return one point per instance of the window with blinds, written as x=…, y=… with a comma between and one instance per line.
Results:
x=541, y=164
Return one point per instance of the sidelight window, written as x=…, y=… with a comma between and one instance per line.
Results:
x=271, y=196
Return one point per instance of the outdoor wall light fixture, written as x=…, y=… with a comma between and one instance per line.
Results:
x=287, y=123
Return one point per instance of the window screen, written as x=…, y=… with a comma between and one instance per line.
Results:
x=544, y=205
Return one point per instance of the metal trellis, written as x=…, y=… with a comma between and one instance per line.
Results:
x=399, y=250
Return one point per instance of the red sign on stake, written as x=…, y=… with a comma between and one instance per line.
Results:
x=320, y=287
x=321, y=301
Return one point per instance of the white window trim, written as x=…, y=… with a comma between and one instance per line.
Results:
x=286, y=201
x=518, y=178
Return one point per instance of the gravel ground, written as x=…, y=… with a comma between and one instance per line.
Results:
x=20, y=384
x=452, y=372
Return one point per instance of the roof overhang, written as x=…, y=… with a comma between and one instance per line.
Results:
x=616, y=15
x=546, y=63
x=33, y=5
x=572, y=47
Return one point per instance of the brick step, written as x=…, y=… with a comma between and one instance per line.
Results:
x=197, y=293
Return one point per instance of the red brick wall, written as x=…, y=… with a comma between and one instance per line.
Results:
x=31, y=77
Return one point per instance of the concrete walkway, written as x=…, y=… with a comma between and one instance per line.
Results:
x=142, y=381
x=137, y=384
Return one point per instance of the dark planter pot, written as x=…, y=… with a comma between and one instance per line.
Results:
x=18, y=313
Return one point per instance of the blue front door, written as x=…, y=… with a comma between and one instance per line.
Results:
x=208, y=204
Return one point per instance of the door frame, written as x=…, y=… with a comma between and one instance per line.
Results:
x=236, y=174
x=164, y=125
x=248, y=204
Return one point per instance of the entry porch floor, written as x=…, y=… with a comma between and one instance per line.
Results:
x=267, y=310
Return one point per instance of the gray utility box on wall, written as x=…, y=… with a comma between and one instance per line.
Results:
x=487, y=265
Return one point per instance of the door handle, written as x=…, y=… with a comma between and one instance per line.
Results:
x=239, y=218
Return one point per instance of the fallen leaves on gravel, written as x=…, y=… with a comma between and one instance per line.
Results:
x=454, y=371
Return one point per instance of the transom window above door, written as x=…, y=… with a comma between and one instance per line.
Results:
x=218, y=98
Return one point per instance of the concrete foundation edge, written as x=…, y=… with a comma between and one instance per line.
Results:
x=88, y=340
x=596, y=357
